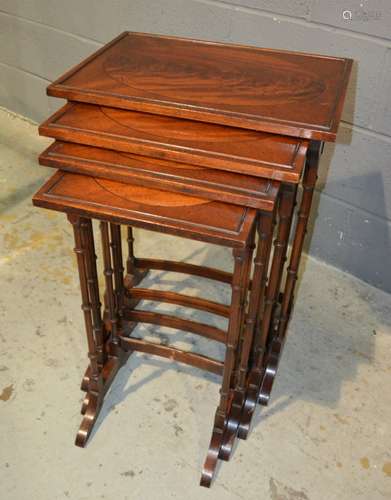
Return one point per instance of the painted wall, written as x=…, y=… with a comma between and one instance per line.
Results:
x=40, y=39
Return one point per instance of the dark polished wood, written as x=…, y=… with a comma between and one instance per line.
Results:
x=240, y=277
x=264, y=319
x=188, y=179
x=186, y=268
x=276, y=91
x=97, y=384
x=180, y=299
x=173, y=135
x=215, y=146
x=274, y=320
x=108, y=272
x=171, y=213
x=256, y=302
x=111, y=341
x=278, y=333
x=189, y=358
x=186, y=325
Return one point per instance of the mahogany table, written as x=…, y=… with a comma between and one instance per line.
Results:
x=258, y=89
x=223, y=122
x=109, y=339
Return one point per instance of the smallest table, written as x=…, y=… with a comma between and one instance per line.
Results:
x=109, y=335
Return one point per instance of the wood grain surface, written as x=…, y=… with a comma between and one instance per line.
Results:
x=208, y=183
x=215, y=146
x=274, y=91
x=172, y=213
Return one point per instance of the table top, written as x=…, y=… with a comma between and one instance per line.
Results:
x=275, y=91
x=216, y=146
x=208, y=183
x=156, y=210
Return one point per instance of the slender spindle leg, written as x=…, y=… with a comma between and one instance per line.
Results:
x=262, y=231
x=100, y=332
x=93, y=287
x=110, y=297
x=265, y=230
x=287, y=201
x=287, y=222
x=267, y=302
x=130, y=262
x=244, y=300
x=134, y=275
x=265, y=227
x=121, y=303
x=309, y=181
x=116, y=248
x=238, y=280
x=95, y=379
x=276, y=347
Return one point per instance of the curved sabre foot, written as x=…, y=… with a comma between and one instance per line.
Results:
x=87, y=424
x=231, y=430
x=86, y=379
x=209, y=468
x=272, y=362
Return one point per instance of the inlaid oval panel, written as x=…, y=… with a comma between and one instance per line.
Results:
x=148, y=196
x=274, y=91
x=164, y=127
x=201, y=76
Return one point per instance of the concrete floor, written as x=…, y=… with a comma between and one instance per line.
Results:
x=325, y=435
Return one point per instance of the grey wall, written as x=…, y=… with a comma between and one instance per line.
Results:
x=40, y=39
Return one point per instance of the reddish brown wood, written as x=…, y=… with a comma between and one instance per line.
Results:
x=265, y=229
x=158, y=82
x=93, y=290
x=278, y=335
x=267, y=357
x=92, y=404
x=189, y=358
x=79, y=226
x=134, y=275
x=130, y=261
x=241, y=268
x=110, y=296
x=276, y=91
x=287, y=201
x=186, y=268
x=116, y=251
x=148, y=208
x=208, y=183
x=62, y=196
x=186, y=325
x=267, y=307
x=179, y=299
x=215, y=146
x=103, y=377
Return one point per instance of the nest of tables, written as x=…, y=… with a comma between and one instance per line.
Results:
x=212, y=142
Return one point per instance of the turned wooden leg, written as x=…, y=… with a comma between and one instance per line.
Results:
x=277, y=344
x=267, y=300
x=114, y=355
x=265, y=231
x=287, y=203
x=100, y=333
x=134, y=275
x=239, y=279
x=264, y=316
x=112, y=312
x=93, y=289
x=116, y=250
x=81, y=228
